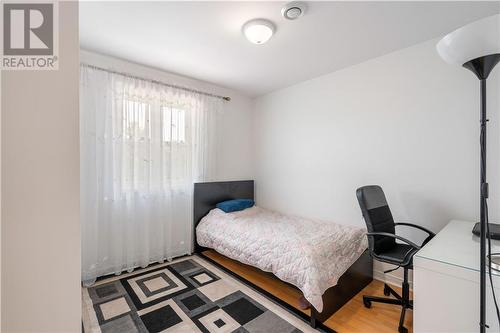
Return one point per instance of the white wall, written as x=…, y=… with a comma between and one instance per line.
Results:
x=40, y=192
x=406, y=121
x=234, y=125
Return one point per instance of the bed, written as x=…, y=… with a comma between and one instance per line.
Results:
x=327, y=262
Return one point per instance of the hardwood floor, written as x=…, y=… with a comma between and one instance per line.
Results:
x=352, y=317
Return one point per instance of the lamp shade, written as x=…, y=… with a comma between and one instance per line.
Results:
x=477, y=39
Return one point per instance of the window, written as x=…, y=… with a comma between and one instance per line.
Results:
x=174, y=124
x=136, y=124
x=153, y=133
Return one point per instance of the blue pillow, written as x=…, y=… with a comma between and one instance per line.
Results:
x=235, y=205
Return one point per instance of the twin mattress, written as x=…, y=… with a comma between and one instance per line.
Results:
x=311, y=255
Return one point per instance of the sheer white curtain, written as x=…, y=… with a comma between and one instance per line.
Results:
x=143, y=145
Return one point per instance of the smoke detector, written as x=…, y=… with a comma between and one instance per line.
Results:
x=293, y=10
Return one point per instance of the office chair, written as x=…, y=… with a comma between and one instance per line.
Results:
x=383, y=247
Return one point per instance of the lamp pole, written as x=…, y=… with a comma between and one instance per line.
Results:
x=482, y=67
x=482, y=214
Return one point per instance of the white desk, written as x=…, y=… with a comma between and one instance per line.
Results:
x=446, y=283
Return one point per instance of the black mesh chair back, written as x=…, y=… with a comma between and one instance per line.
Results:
x=383, y=247
x=377, y=216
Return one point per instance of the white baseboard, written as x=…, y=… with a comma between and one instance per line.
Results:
x=394, y=278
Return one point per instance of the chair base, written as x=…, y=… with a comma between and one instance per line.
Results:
x=402, y=301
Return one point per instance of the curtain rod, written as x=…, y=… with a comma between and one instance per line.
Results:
x=225, y=98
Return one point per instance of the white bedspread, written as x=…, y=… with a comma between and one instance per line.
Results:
x=311, y=255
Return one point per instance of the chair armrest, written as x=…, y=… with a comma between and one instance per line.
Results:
x=417, y=227
x=372, y=234
x=430, y=233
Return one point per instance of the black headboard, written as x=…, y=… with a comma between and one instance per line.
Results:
x=207, y=195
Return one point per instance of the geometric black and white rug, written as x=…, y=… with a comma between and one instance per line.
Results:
x=185, y=295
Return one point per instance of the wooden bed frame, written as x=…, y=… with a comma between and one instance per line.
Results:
x=358, y=276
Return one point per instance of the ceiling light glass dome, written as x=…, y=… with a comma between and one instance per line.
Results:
x=258, y=31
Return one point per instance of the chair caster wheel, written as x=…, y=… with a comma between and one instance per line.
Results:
x=402, y=329
x=367, y=304
x=387, y=292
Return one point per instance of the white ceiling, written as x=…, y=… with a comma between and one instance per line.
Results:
x=203, y=40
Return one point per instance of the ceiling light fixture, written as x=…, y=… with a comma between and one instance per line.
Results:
x=258, y=31
x=293, y=10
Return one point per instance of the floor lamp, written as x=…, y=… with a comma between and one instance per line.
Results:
x=477, y=47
